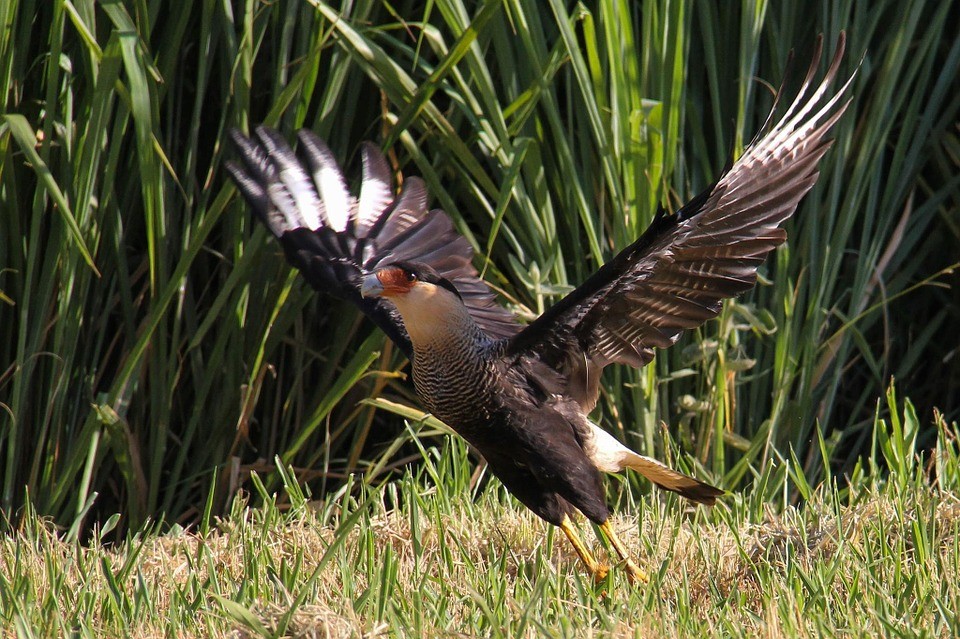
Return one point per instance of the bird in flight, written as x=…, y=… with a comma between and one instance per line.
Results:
x=521, y=395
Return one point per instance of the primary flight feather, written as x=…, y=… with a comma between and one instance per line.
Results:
x=521, y=394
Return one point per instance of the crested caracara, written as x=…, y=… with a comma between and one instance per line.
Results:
x=521, y=394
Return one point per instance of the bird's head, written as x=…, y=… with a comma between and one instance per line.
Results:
x=429, y=304
x=406, y=280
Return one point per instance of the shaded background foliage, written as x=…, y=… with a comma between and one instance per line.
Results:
x=155, y=348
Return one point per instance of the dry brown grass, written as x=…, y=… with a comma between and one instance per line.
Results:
x=723, y=572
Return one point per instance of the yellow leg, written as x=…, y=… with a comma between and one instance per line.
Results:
x=634, y=574
x=597, y=569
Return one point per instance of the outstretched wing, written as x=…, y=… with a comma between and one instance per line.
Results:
x=334, y=238
x=677, y=274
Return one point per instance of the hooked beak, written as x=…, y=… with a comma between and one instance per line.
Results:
x=370, y=286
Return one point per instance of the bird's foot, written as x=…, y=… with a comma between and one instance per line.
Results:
x=634, y=574
x=600, y=572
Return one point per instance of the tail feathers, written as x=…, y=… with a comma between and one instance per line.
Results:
x=610, y=456
x=669, y=479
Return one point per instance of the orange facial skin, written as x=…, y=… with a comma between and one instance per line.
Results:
x=395, y=281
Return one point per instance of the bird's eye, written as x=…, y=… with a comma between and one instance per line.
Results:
x=410, y=275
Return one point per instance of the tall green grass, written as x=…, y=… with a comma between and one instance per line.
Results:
x=154, y=348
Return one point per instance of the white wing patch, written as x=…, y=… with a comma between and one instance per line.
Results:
x=375, y=192
x=306, y=202
x=337, y=202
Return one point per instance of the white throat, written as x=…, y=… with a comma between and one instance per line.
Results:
x=434, y=316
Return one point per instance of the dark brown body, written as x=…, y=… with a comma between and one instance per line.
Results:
x=531, y=436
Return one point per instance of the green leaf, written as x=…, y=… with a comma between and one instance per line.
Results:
x=27, y=139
